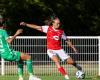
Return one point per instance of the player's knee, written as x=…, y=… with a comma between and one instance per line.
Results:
x=70, y=61
x=28, y=57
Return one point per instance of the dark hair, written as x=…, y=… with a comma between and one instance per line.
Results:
x=50, y=20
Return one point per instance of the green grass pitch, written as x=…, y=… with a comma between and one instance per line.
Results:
x=49, y=78
x=50, y=72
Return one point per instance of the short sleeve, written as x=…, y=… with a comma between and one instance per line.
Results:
x=6, y=36
x=45, y=29
x=64, y=36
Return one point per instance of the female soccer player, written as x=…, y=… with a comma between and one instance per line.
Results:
x=54, y=35
x=10, y=55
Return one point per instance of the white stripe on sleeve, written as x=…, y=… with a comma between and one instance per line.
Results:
x=45, y=28
x=64, y=36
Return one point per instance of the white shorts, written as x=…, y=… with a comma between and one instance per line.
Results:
x=61, y=53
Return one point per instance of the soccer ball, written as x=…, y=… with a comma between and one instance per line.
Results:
x=80, y=74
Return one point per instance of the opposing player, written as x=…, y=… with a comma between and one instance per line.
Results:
x=54, y=49
x=10, y=55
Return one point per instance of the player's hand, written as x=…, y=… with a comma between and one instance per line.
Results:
x=75, y=51
x=19, y=31
x=22, y=23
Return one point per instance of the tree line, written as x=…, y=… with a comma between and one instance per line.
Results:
x=78, y=17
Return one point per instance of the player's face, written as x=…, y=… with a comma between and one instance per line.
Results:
x=56, y=23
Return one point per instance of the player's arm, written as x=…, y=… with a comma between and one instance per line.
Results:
x=31, y=26
x=69, y=42
x=9, y=40
x=71, y=45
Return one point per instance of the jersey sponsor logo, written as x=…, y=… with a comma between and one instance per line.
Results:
x=56, y=37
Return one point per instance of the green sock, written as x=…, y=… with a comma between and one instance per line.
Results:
x=29, y=66
x=20, y=69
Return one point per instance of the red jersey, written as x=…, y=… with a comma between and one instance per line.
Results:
x=53, y=37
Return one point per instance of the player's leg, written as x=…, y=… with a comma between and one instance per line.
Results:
x=53, y=56
x=27, y=57
x=20, y=69
x=70, y=61
x=64, y=56
x=60, y=68
x=28, y=60
x=20, y=57
x=11, y=55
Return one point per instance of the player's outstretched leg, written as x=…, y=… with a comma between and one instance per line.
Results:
x=70, y=61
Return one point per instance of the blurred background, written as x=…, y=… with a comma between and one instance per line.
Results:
x=78, y=17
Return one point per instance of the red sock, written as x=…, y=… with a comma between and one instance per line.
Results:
x=62, y=71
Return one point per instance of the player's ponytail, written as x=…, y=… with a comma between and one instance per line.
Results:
x=48, y=22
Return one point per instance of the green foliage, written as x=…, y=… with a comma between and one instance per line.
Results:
x=79, y=17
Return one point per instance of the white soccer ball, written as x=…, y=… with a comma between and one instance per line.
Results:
x=80, y=74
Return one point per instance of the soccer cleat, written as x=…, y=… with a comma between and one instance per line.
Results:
x=21, y=78
x=66, y=77
x=34, y=78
